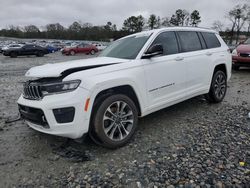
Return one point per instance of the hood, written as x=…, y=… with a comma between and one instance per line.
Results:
x=243, y=48
x=66, y=68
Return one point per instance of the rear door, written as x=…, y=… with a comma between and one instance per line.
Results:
x=197, y=59
x=165, y=74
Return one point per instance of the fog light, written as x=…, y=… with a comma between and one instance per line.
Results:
x=64, y=115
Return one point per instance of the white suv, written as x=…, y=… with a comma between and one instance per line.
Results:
x=133, y=77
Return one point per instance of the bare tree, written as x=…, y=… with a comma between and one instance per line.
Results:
x=238, y=16
x=218, y=25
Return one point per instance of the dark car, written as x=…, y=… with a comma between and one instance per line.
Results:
x=25, y=50
x=81, y=48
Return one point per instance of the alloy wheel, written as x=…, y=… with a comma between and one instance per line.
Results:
x=220, y=86
x=118, y=121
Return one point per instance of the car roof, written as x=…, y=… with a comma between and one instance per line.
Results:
x=198, y=29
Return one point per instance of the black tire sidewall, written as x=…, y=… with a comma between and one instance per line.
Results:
x=98, y=121
x=13, y=54
x=212, y=89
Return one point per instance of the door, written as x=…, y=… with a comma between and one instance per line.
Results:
x=165, y=74
x=28, y=50
x=197, y=59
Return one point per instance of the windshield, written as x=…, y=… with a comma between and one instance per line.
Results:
x=127, y=48
x=247, y=41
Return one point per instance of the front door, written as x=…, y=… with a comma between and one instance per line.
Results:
x=165, y=74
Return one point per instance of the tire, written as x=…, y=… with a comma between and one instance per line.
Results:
x=218, y=87
x=92, y=52
x=39, y=54
x=115, y=128
x=235, y=67
x=72, y=52
x=13, y=54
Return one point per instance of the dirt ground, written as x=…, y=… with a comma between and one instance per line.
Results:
x=193, y=143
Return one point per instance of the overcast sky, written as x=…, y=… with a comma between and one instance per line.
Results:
x=99, y=12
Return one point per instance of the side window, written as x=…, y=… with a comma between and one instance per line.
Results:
x=168, y=41
x=211, y=40
x=189, y=41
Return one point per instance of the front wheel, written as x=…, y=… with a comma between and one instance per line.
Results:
x=218, y=87
x=92, y=52
x=72, y=52
x=39, y=54
x=115, y=121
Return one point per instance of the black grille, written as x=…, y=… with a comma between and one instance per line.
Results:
x=245, y=54
x=32, y=91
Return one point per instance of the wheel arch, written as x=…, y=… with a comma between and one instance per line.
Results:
x=125, y=89
x=222, y=67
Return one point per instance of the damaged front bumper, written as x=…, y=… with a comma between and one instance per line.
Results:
x=59, y=114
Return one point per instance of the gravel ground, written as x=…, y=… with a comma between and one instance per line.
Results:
x=191, y=144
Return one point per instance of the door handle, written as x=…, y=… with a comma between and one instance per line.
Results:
x=209, y=53
x=179, y=58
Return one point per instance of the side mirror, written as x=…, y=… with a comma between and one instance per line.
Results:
x=154, y=50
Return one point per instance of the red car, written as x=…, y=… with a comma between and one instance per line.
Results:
x=81, y=48
x=241, y=55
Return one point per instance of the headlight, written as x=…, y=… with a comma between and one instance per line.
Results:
x=60, y=87
x=235, y=53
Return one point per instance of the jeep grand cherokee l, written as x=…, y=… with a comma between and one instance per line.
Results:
x=133, y=77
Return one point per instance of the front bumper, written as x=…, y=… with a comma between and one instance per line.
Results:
x=241, y=61
x=49, y=124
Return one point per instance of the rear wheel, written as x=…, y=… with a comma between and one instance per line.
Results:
x=115, y=121
x=218, y=87
x=13, y=54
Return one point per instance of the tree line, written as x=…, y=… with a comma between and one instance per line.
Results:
x=87, y=31
x=238, y=16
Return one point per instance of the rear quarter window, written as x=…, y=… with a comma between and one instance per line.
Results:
x=189, y=41
x=211, y=40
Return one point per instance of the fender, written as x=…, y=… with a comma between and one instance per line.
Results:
x=111, y=84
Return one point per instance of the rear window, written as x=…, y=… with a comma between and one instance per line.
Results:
x=211, y=40
x=189, y=41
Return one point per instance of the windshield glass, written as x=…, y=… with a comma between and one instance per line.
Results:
x=247, y=41
x=127, y=48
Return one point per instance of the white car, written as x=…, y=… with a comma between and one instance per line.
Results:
x=100, y=47
x=133, y=77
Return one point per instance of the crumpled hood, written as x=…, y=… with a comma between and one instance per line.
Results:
x=56, y=70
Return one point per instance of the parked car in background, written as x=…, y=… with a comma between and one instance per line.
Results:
x=100, y=47
x=52, y=49
x=241, y=55
x=135, y=76
x=30, y=49
x=1, y=51
x=81, y=48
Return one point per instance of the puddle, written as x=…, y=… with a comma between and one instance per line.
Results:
x=72, y=154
